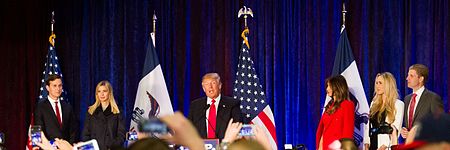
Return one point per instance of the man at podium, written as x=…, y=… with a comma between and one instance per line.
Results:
x=211, y=114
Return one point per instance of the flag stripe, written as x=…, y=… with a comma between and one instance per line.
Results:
x=272, y=140
x=344, y=54
x=268, y=123
x=247, y=89
x=151, y=57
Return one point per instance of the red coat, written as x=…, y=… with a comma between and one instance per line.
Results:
x=338, y=125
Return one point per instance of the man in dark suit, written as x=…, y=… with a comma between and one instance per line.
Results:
x=421, y=102
x=56, y=117
x=211, y=114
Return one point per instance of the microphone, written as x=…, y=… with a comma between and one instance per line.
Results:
x=206, y=118
x=207, y=107
x=209, y=123
x=203, y=110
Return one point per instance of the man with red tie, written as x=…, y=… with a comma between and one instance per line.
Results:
x=55, y=117
x=421, y=102
x=210, y=114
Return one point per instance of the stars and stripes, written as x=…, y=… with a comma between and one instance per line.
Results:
x=248, y=90
x=51, y=67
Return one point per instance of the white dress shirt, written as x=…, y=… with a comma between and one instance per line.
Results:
x=209, y=101
x=52, y=102
x=418, y=95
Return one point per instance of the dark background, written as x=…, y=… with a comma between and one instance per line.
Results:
x=292, y=42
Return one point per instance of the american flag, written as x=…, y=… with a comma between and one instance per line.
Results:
x=248, y=90
x=51, y=67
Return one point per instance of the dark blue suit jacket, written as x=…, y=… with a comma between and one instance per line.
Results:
x=429, y=103
x=228, y=108
x=46, y=117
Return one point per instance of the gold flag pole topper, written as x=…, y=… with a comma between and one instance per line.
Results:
x=245, y=11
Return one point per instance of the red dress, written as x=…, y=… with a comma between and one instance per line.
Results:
x=336, y=126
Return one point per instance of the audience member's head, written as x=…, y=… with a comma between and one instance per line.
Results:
x=348, y=144
x=244, y=144
x=184, y=133
x=149, y=143
x=432, y=133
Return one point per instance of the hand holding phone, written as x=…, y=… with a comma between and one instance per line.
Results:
x=36, y=135
x=153, y=126
x=246, y=130
x=132, y=136
x=88, y=145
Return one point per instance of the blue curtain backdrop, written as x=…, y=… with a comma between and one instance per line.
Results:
x=292, y=42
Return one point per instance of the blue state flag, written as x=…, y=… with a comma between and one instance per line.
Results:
x=152, y=97
x=345, y=65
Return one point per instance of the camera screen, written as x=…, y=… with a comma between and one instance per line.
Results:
x=89, y=146
x=132, y=136
x=246, y=130
x=154, y=126
x=2, y=138
x=35, y=135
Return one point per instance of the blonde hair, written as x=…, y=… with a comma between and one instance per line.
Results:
x=112, y=101
x=214, y=76
x=391, y=94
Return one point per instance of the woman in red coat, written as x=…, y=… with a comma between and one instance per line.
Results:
x=337, y=121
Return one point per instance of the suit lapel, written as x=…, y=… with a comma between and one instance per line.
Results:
x=221, y=123
x=405, y=111
x=64, y=114
x=202, y=122
x=52, y=112
x=421, y=104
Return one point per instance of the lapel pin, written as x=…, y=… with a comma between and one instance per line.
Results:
x=223, y=106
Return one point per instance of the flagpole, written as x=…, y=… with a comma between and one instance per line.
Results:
x=260, y=114
x=154, y=22
x=52, y=37
x=343, y=17
x=52, y=21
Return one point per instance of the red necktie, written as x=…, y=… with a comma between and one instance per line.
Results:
x=411, y=110
x=212, y=120
x=58, y=116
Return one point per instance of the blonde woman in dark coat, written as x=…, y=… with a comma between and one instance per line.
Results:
x=104, y=121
